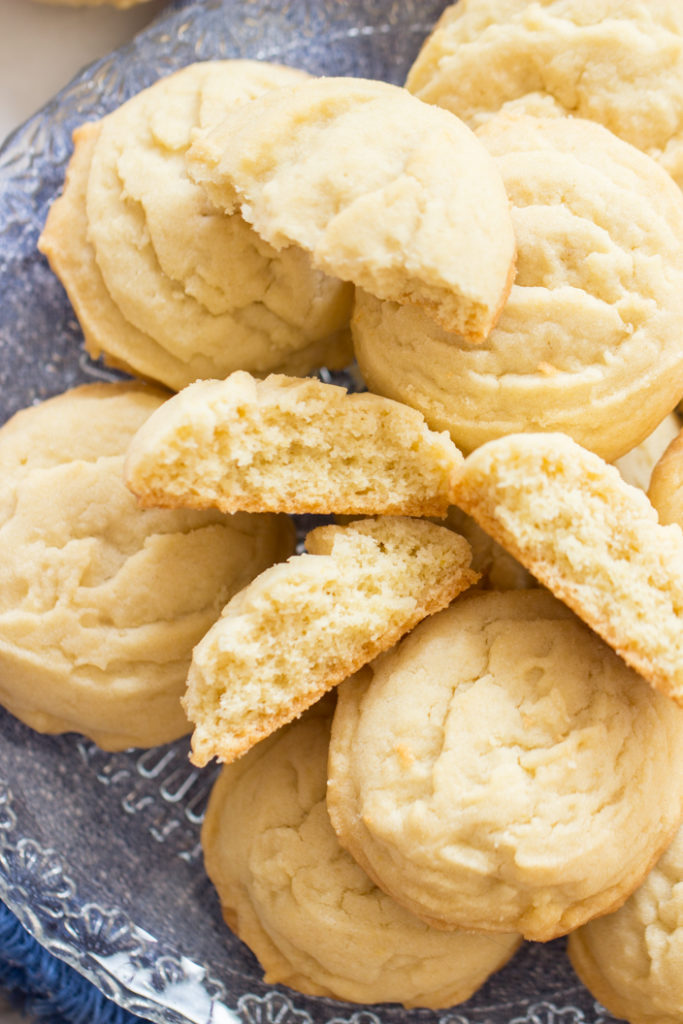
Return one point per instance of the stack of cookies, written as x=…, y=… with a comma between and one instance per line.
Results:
x=455, y=721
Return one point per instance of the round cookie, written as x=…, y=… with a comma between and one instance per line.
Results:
x=307, y=910
x=382, y=190
x=636, y=466
x=532, y=785
x=300, y=628
x=617, y=62
x=589, y=340
x=666, y=484
x=101, y=602
x=191, y=292
x=631, y=960
x=72, y=258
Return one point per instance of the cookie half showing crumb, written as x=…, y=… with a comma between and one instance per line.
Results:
x=631, y=960
x=381, y=189
x=502, y=769
x=303, y=905
x=594, y=540
x=300, y=628
x=101, y=602
x=293, y=445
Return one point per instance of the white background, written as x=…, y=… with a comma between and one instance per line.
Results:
x=41, y=48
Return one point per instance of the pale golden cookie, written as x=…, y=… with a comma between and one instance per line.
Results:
x=589, y=340
x=287, y=444
x=666, y=484
x=631, y=960
x=307, y=910
x=617, y=62
x=496, y=566
x=637, y=465
x=101, y=603
x=382, y=190
x=591, y=538
x=190, y=291
x=502, y=769
x=106, y=331
x=302, y=627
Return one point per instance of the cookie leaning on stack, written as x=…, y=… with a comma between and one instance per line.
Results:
x=300, y=628
x=588, y=342
x=163, y=284
x=631, y=960
x=379, y=188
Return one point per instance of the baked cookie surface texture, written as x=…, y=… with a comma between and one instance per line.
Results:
x=589, y=340
x=666, y=483
x=595, y=541
x=637, y=466
x=163, y=283
x=379, y=191
x=617, y=62
x=101, y=602
x=530, y=787
x=292, y=445
x=307, y=910
x=631, y=960
x=496, y=566
x=302, y=627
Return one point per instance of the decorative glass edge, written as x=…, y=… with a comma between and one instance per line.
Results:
x=124, y=961
x=140, y=974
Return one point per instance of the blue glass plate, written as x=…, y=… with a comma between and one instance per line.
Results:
x=99, y=853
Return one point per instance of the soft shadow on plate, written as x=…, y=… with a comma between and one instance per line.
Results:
x=99, y=853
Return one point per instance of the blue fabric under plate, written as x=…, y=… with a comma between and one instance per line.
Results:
x=48, y=990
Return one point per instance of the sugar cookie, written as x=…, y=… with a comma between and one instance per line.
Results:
x=631, y=960
x=589, y=340
x=530, y=786
x=390, y=193
x=591, y=538
x=294, y=445
x=100, y=602
x=162, y=283
x=302, y=627
x=617, y=62
x=307, y=910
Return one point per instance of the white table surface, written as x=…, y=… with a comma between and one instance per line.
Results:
x=41, y=48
